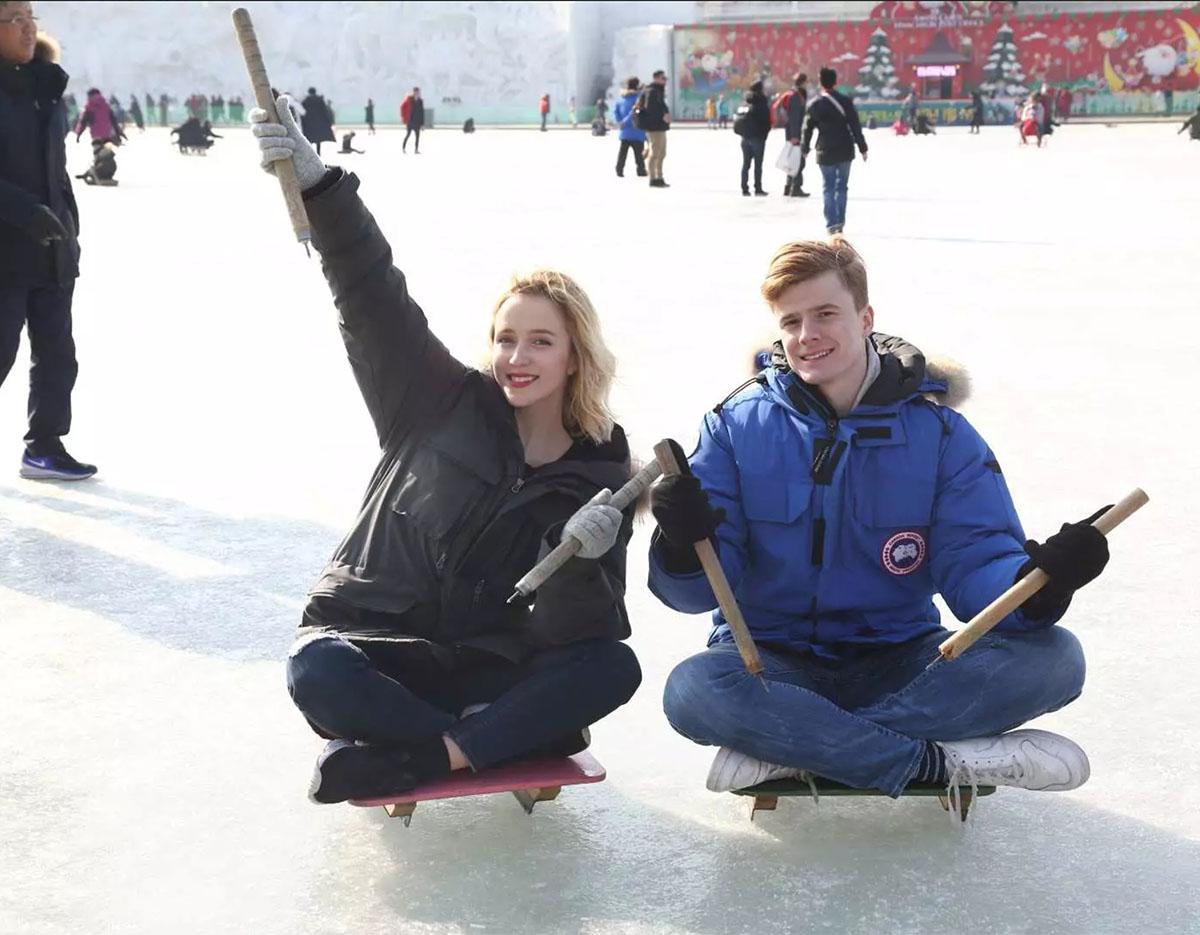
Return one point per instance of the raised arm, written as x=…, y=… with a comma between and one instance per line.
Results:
x=402, y=369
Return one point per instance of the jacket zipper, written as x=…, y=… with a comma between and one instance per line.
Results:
x=818, y=524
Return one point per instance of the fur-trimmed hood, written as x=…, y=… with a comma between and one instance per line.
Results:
x=47, y=49
x=903, y=371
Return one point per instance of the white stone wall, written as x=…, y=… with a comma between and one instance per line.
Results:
x=488, y=60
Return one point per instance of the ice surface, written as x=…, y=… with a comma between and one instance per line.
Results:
x=154, y=771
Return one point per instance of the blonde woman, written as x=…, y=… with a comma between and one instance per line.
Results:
x=409, y=659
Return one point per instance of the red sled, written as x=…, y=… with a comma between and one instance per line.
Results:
x=530, y=781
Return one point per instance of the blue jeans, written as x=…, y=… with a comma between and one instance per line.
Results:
x=373, y=692
x=864, y=722
x=836, y=178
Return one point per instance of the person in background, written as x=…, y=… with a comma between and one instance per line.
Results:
x=631, y=137
x=794, y=106
x=722, y=112
x=412, y=112
x=755, y=128
x=710, y=113
x=98, y=119
x=1192, y=124
x=348, y=144
x=544, y=109
x=317, y=119
x=369, y=116
x=976, y=110
x=654, y=117
x=834, y=120
x=135, y=111
x=39, y=249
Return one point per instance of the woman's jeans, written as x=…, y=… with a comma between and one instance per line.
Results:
x=376, y=692
x=864, y=722
x=836, y=179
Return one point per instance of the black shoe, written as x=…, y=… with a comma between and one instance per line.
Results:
x=759, y=191
x=746, y=192
x=642, y=173
x=54, y=464
x=620, y=174
x=800, y=193
x=347, y=770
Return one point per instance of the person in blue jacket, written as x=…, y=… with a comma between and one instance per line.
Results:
x=842, y=493
x=631, y=137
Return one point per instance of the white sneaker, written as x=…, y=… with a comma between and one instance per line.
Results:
x=732, y=770
x=1029, y=759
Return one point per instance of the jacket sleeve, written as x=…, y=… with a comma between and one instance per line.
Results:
x=855, y=126
x=585, y=598
x=17, y=206
x=402, y=369
x=976, y=540
x=809, y=126
x=713, y=464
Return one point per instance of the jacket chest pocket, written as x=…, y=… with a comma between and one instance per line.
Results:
x=892, y=488
x=443, y=484
x=770, y=498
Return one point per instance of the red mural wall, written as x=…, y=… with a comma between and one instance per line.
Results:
x=1111, y=62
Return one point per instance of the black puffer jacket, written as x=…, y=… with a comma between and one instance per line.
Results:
x=452, y=517
x=33, y=171
x=833, y=118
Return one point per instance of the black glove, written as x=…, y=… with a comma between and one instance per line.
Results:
x=45, y=226
x=1072, y=557
x=684, y=516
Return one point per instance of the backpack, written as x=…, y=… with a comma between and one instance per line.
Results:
x=779, y=108
x=635, y=115
x=741, y=119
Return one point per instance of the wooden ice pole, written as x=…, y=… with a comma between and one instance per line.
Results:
x=284, y=170
x=536, y=576
x=954, y=646
x=716, y=576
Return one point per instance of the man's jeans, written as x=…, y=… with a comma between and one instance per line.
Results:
x=864, y=722
x=378, y=699
x=836, y=178
x=46, y=312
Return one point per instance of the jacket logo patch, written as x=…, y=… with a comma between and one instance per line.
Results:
x=904, y=553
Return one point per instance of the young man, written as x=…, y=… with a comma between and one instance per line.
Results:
x=833, y=117
x=843, y=493
x=39, y=253
x=654, y=116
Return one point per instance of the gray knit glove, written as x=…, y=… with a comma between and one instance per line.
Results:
x=284, y=140
x=595, y=524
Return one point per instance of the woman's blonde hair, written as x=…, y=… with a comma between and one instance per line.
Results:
x=585, y=404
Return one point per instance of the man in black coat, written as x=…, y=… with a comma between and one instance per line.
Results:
x=794, y=129
x=835, y=121
x=39, y=253
x=653, y=115
x=756, y=126
x=317, y=121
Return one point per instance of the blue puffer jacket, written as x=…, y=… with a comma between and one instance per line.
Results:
x=838, y=532
x=622, y=115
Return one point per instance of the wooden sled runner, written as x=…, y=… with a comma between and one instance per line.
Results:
x=765, y=796
x=530, y=781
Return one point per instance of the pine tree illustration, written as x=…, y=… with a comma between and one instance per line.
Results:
x=877, y=75
x=1002, y=74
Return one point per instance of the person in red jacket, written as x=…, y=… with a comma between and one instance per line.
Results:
x=412, y=113
x=544, y=109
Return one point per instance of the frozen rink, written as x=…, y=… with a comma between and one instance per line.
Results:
x=155, y=771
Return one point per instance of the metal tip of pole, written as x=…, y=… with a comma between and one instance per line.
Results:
x=516, y=596
x=307, y=252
